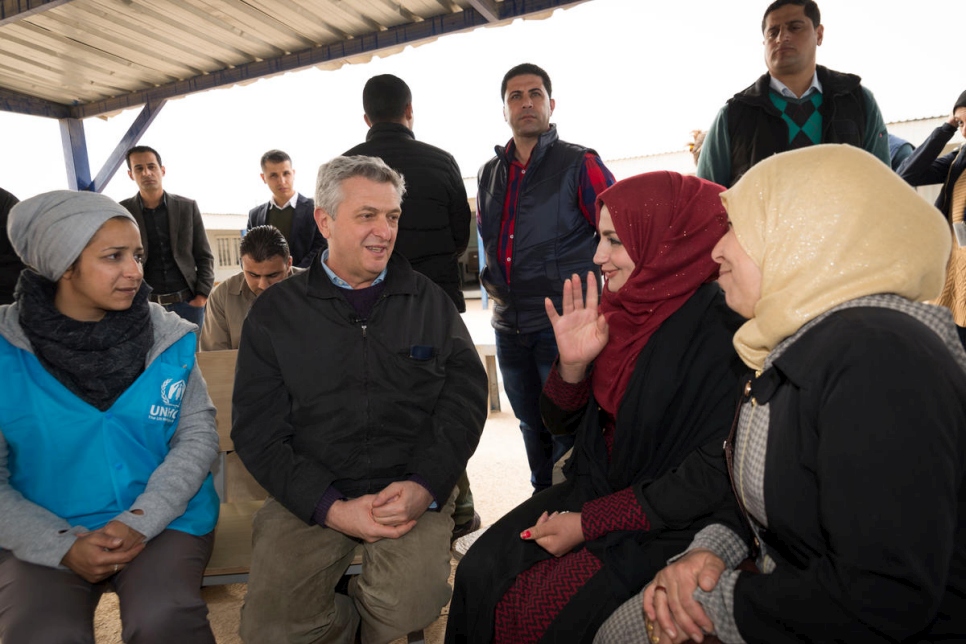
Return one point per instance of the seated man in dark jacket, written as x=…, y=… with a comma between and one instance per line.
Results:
x=359, y=397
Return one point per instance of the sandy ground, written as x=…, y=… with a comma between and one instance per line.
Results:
x=499, y=478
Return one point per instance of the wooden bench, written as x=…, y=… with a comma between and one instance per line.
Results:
x=241, y=496
x=488, y=355
x=232, y=555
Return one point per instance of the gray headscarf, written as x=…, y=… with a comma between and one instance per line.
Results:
x=51, y=230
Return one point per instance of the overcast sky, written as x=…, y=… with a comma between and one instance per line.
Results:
x=630, y=78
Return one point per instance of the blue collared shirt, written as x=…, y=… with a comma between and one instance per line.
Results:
x=338, y=281
x=782, y=89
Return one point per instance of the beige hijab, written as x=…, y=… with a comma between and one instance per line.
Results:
x=827, y=224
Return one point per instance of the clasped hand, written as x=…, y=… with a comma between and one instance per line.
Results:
x=387, y=515
x=580, y=330
x=97, y=555
x=668, y=600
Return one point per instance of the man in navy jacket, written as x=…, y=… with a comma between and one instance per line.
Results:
x=287, y=210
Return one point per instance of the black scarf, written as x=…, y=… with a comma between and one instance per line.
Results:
x=97, y=361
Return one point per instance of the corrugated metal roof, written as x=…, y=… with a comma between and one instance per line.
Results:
x=81, y=58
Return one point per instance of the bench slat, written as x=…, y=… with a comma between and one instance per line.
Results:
x=232, y=553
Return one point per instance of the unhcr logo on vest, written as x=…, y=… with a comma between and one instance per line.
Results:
x=171, y=393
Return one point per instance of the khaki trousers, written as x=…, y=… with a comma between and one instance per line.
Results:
x=295, y=568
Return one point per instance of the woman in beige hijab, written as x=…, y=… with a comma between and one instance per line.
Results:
x=849, y=450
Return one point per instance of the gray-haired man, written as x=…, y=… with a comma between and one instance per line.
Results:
x=359, y=398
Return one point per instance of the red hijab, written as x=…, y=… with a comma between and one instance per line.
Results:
x=668, y=223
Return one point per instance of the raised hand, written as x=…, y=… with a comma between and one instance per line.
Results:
x=581, y=331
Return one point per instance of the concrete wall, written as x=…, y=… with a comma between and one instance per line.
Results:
x=224, y=236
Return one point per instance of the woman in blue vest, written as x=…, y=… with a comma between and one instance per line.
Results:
x=107, y=436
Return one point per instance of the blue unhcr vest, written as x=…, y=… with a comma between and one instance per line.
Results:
x=86, y=465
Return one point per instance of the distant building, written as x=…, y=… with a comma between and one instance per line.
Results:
x=224, y=237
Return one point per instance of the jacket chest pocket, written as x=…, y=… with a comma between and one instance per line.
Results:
x=414, y=375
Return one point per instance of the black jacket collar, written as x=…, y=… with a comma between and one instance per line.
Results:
x=389, y=130
x=400, y=279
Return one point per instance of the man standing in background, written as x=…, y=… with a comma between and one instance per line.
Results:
x=796, y=104
x=435, y=225
x=178, y=264
x=292, y=213
x=537, y=218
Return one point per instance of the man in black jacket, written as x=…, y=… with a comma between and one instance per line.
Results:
x=435, y=224
x=359, y=398
x=796, y=104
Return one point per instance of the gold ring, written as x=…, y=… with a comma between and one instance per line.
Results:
x=649, y=627
x=661, y=588
x=115, y=568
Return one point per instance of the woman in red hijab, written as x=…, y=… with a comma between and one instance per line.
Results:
x=645, y=378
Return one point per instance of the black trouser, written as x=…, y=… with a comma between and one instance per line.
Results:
x=159, y=594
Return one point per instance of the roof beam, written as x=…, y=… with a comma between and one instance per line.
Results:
x=369, y=43
x=487, y=9
x=11, y=101
x=11, y=10
x=129, y=140
x=75, y=154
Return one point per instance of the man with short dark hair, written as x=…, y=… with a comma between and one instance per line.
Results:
x=287, y=210
x=359, y=397
x=178, y=264
x=265, y=260
x=435, y=225
x=536, y=214
x=795, y=104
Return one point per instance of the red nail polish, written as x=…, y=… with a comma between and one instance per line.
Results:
x=525, y=534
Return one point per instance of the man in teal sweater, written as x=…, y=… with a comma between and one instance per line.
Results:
x=796, y=104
